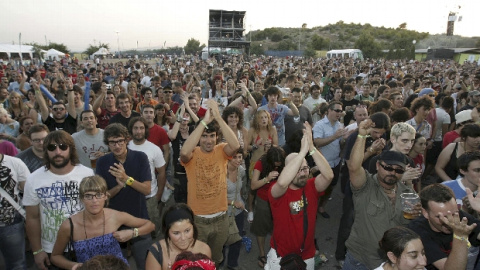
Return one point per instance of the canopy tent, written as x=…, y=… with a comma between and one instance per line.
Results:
x=102, y=51
x=53, y=54
x=10, y=51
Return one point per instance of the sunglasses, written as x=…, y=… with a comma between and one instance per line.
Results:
x=58, y=109
x=338, y=110
x=53, y=147
x=391, y=169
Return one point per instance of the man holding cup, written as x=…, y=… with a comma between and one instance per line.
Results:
x=377, y=201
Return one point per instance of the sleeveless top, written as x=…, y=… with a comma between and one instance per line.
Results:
x=451, y=169
x=100, y=245
x=156, y=250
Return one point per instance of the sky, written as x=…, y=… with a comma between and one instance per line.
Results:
x=153, y=23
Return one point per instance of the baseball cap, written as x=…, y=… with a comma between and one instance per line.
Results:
x=393, y=158
x=426, y=91
x=463, y=116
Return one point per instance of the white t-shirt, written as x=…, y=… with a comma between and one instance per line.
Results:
x=12, y=172
x=58, y=197
x=88, y=144
x=442, y=118
x=155, y=159
x=311, y=103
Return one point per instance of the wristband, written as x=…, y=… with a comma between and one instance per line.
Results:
x=232, y=202
x=135, y=232
x=129, y=181
x=463, y=239
x=312, y=152
x=38, y=251
x=363, y=136
x=204, y=124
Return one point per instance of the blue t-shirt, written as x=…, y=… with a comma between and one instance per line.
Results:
x=127, y=199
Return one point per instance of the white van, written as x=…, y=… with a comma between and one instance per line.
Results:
x=347, y=53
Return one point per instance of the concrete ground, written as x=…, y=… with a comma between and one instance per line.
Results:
x=326, y=234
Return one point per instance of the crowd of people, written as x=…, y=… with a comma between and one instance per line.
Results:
x=152, y=159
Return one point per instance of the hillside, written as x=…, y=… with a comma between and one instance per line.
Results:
x=340, y=35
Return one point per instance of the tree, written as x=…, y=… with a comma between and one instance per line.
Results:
x=256, y=49
x=309, y=52
x=319, y=43
x=403, y=26
x=193, y=46
x=286, y=45
x=368, y=45
x=52, y=45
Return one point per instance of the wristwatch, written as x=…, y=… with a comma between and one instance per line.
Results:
x=130, y=181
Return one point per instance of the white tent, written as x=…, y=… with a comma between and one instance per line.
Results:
x=53, y=54
x=10, y=49
x=102, y=51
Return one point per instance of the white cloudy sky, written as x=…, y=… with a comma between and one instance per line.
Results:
x=153, y=22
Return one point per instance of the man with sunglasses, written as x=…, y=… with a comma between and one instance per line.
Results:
x=376, y=199
x=51, y=194
x=63, y=117
x=329, y=136
x=293, y=199
x=128, y=177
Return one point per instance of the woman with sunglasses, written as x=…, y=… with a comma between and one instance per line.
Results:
x=95, y=230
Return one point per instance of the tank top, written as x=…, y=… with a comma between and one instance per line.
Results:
x=100, y=245
x=451, y=169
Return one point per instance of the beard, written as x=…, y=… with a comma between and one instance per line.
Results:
x=389, y=180
x=300, y=181
x=61, y=164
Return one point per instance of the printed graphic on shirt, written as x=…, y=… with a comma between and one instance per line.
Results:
x=208, y=175
x=59, y=201
x=296, y=206
x=7, y=183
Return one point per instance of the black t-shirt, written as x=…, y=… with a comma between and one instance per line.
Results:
x=439, y=245
x=119, y=118
x=349, y=114
x=69, y=125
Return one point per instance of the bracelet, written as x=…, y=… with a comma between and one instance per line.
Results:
x=204, y=124
x=38, y=251
x=265, y=180
x=463, y=239
x=312, y=152
x=363, y=136
x=135, y=232
x=232, y=203
x=129, y=181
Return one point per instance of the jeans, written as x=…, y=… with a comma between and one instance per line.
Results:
x=234, y=249
x=353, y=264
x=180, y=193
x=12, y=246
x=346, y=223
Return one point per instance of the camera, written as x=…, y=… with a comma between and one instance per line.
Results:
x=109, y=86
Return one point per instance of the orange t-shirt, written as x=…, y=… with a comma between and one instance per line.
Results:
x=207, y=180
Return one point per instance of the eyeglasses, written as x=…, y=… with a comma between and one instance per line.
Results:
x=38, y=140
x=305, y=169
x=118, y=142
x=338, y=110
x=53, y=147
x=58, y=109
x=97, y=195
x=391, y=169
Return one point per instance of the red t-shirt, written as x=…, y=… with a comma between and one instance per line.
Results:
x=449, y=137
x=287, y=213
x=104, y=117
x=263, y=191
x=158, y=136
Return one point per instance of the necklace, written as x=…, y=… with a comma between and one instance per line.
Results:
x=85, y=227
x=389, y=190
x=170, y=247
